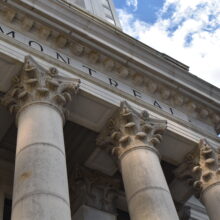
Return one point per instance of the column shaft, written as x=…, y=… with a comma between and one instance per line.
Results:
x=40, y=181
x=146, y=189
x=211, y=200
x=134, y=136
x=202, y=168
x=88, y=213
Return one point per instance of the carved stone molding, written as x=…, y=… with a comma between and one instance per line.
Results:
x=94, y=189
x=184, y=171
x=207, y=169
x=36, y=85
x=159, y=90
x=201, y=168
x=129, y=129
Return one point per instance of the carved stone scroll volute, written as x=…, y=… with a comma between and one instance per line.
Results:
x=207, y=170
x=201, y=168
x=94, y=189
x=202, y=171
x=35, y=84
x=38, y=98
x=133, y=137
x=129, y=129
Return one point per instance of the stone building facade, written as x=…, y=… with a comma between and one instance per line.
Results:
x=96, y=125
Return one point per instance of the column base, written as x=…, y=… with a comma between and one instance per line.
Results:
x=89, y=213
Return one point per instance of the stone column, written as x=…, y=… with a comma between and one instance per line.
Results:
x=206, y=173
x=134, y=136
x=38, y=98
x=89, y=213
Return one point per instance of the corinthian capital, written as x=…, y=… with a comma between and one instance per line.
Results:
x=35, y=84
x=130, y=129
x=201, y=167
x=207, y=166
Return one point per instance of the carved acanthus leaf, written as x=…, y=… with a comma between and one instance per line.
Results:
x=201, y=167
x=184, y=171
x=94, y=189
x=129, y=128
x=207, y=172
x=35, y=84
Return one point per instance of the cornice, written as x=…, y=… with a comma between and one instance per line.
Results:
x=162, y=79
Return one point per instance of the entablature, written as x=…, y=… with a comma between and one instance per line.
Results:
x=113, y=63
x=97, y=101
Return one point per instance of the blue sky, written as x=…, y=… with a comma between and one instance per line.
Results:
x=146, y=12
x=187, y=30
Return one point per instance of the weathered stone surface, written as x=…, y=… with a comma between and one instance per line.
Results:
x=35, y=84
x=40, y=181
x=132, y=136
x=129, y=129
x=201, y=171
x=89, y=213
x=93, y=189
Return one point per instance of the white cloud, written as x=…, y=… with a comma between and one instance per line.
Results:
x=189, y=31
x=133, y=3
